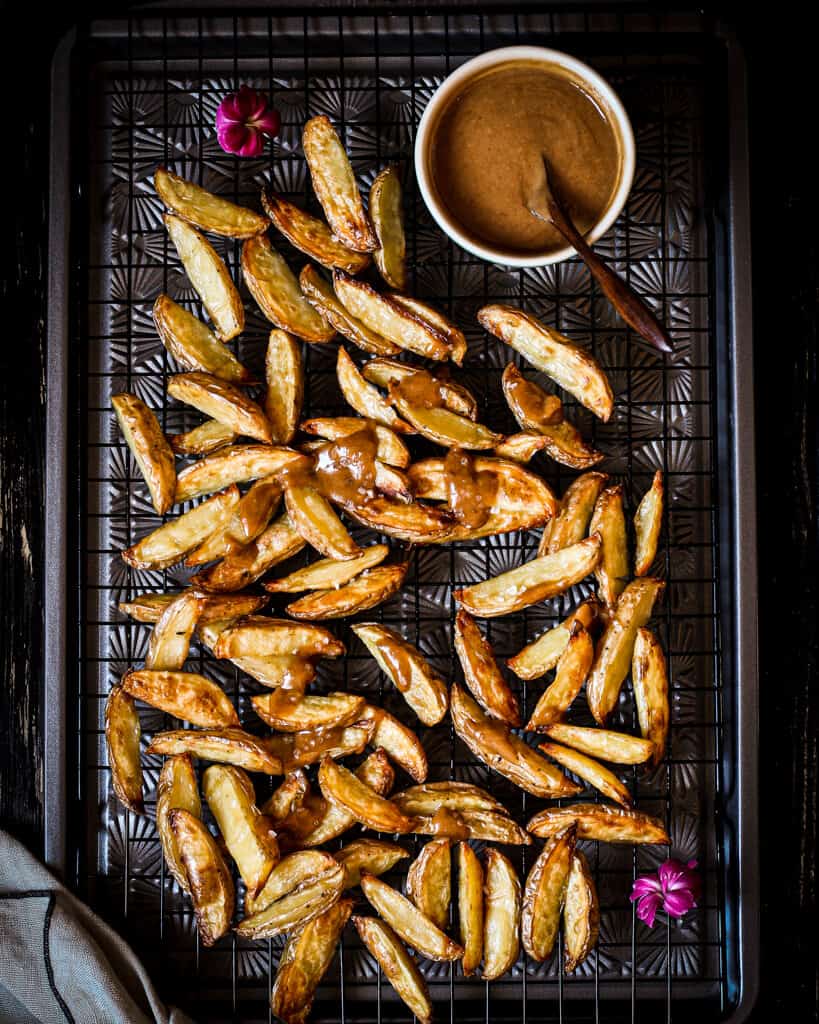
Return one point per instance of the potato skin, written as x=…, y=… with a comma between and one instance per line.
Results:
x=122, y=735
x=209, y=880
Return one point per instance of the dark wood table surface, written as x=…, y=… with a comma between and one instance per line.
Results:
x=780, y=48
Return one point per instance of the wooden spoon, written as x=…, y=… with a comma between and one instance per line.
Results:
x=547, y=207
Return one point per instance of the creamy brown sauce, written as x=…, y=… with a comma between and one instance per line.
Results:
x=342, y=471
x=470, y=494
x=533, y=403
x=448, y=822
x=487, y=149
x=421, y=389
x=398, y=659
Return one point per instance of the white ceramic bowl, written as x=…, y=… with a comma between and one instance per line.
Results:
x=599, y=89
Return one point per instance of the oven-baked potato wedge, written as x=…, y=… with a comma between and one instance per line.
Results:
x=390, y=448
x=494, y=743
x=319, y=293
x=648, y=521
x=569, y=366
x=177, y=789
x=616, y=646
x=501, y=922
x=426, y=799
x=297, y=749
x=171, y=636
x=411, y=674
x=212, y=607
x=249, y=519
x=649, y=680
x=571, y=524
x=534, y=581
x=260, y=637
x=398, y=966
x=609, y=521
x=454, y=337
x=397, y=740
x=364, y=398
x=562, y=442
x=204, y=210
x=209, y=880
x=429, y=881
x=225, y=746
x=122, y=737
x=581, y=913
x=604, y=744
x=603, y=779
x=545, y=893
x=296, y=908
x=205, y=439
x=335, y=185
x=411, y=521
x=276, y=543
x=287, y=711
x=374, y=856
x=185, y=695
x=572, y=668
x=386, y=211
x=313, y=518
x=532, y=407
x=193, y=345
x=456, y=398
x=284, y=385
x=289, y=874
x=328, y=573
x=535, y=659
x=342, y=788
x=600, y=821
x=237, y=464
x=287, y=670
x=408, y=921
x=488, y=826
x=443, y=427
x=209, y=276
x=222, y=401
x=311, y=235
x=371, y=588
x=482, y=673
x=470, y=907
x=150, y=448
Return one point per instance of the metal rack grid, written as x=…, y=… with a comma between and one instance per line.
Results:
x=151, y=85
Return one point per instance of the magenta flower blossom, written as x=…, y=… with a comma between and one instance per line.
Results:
x=675, y=887
x=243, y=120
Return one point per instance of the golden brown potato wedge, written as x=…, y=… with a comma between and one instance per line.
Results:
x=501, y=923
x=590, y=771
x=454, y=337
x=150, y=449
x=531, y=406
x=571, y=524
x=122, y=736
x=225, y=746
x=430, y=797
x=386, y=211
x=248, y=834
x=261, y=637
x=445, y=823
x=205, y=210
x=470, y=907
x=600, y=821
x=193, y=345
x=608, y=520
x=648, y=521
x=209, y=277
x=177, y=789
x=335, y=185
x=562, y=442
x=278, y=542
x=366, y=591
x=649, y=679
x=617, y=747
x=171, y=636
x=572, y=669
x=569, y=366
x=489, y=826
x=399, y=741
x=581, y=913
x=391, y=449
x=319, y=293
x=411, y=674
x=364, y=398
x=429, y=881
x=328, y=573
x=545, y=894
x=390, y=319
x=531, y=582
x=185, y=695
x=408, y=921
x=295, y=909
x=287, y=797
x=297, y=749
x=289, y=711
x=616, y=646
x=213, y=607
x=313, y=518
x=249, y=519
x=482, y=673
x=536, y=658
x=495, y=744
x=205, y=439
x=277, y=292
x=398, y=966
x=455, y=397
x=343, y=789
x=371, y=855
x=235, y=465
x=284, y=385
x=289, y=874
x=209, y=880
x=408, y=521
x=444, y=427
x=311, y=235
x=305, y=959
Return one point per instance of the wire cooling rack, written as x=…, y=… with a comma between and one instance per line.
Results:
x=144, y=93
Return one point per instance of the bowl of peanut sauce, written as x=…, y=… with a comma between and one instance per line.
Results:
x=480, y=146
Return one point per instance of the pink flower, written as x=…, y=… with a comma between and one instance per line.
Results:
x=243, y=120
x=675, y=887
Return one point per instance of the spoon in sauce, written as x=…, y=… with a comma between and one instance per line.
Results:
x=544, y=204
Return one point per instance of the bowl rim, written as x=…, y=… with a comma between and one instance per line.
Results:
x=540, y=54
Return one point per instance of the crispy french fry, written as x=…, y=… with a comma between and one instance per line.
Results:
x=411, y=674
x=311, y=235
x=209, y=880
x=648, y=521
x=454, y=337
x=497, y=746
x=536, y=658
x=531, y=406
x=249, y=519
x=430, y=797
x=408, y=921
x=185, y=695
x=261, y=637
x=501, y=923
x=193, y=345
x=391, y=449
x=397, y=965
x=171, y=636
x=444, y=427
x=149, y=447
x=612, y=570
x=470, y=907
x=342, y=788
x=581, y=913
x=388, y=220
x=335, y=186
x=205, y=210
x=590, y=771
x=289, y=711
x=364, y=398
x=397, y=740
x=122, y=736
x=205, y=439
x=328, y=573
x=531, y=582
x=481, y=671
x=313, y=518
x=456, y=398
x=176, y=789
x=284, y=385
x=366, y=591
x=295, y=909
x=649, y=679
x=600, y=821
x=297, y=749
x=571, y=524
x=429, y=881
x=225, y=746
x=235, y=465
x=574, y=369
x=572, y=669
x=614, y=651
x=319, y=293
x=489, y=826
x=371, y=855
x=209, y=277
x=617, y=747
x=545, y=894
